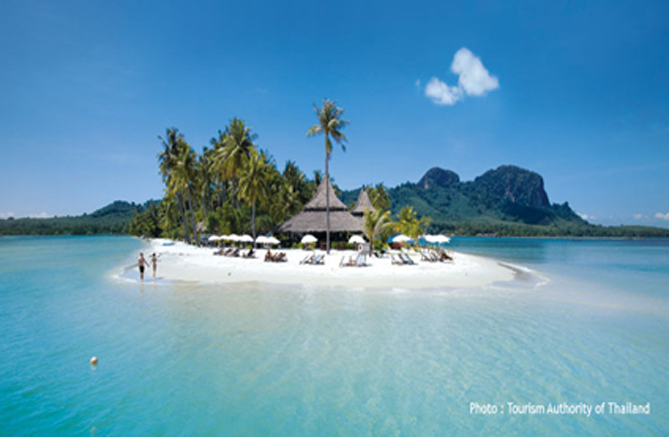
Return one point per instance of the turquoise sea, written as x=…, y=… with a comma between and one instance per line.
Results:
x=183, y=359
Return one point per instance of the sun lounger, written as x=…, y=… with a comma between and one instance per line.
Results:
x=318, y=259
x=407, y=259
x=425, y=256
x=307, y=259
x=395, y=260
x=360, y=261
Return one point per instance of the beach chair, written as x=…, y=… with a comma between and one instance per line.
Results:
x=318, y=259
x=407, y=259
x=307, y=259
x=425, y=256
x=360, y=261
x=249, y=254
x=281, y=257
x=395, y=260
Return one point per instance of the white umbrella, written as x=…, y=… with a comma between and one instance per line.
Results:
x=356, y=239
x=213, y=238
x=442, y=239
x=272, y=240
x=262, y=240
x=246, y=239
x=401, y=238
x=307, y=239
x=232, y=237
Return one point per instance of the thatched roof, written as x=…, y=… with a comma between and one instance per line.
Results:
x=312, y=218
x=319, y=200
x=314, y=221
x=362, y=203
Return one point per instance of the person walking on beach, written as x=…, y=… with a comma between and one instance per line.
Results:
x=154, y=264
x=142, y=262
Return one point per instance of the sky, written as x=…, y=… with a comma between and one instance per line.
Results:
x=575, y=91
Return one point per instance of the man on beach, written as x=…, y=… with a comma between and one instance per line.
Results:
x=142, y=262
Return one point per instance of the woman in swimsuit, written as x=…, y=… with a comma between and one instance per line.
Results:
x=154, y=264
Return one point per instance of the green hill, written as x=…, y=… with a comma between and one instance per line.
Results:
x=508, y=200
x=111, y=219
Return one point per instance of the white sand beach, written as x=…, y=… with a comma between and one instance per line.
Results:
x=181, y=262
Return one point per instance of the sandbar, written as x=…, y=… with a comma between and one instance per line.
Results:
x=181, y=262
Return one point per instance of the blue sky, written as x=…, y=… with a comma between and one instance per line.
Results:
x=576, y=91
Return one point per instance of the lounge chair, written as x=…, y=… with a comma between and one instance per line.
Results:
x=395, y=260
x=360, y=261
x=425, y=256
x=318, y=259
x=307, y=259
x=250, y=254
x=407, y=259
x=281, y=257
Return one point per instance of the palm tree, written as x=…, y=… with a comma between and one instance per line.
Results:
x=234, y=149
x=376, y=223
x=329, y=124
x=253, y=184
x=184, y=178
x=172, y=145
x=379, y=197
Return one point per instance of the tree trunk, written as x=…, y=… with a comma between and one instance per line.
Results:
x=183, y=216
x=192, y=216
x=327, y=202
x=253, y=221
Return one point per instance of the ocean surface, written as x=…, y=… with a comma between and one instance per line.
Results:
x=590, y=327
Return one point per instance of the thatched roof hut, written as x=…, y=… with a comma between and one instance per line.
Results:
x=362, y=203
x=312, y=217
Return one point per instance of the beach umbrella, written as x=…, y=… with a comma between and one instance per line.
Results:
x=356, y=239
x=213, y=238
x=262, y=240
x=233, y=238
x=401, y=238
x=246, y=239
x=308, y=239
x=272, y=240
x=440, y=239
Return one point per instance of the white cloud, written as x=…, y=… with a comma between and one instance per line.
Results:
x=639, y=216
x=40, y=215
x=661, y=216
x=442, y=94
x=6, y=215
x=586, y=216
x=473, y=80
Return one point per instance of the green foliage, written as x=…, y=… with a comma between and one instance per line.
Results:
x=112, y=219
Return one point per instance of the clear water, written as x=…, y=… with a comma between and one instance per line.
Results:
x=179, y=359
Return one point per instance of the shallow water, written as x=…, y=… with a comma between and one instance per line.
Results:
x=261, y=359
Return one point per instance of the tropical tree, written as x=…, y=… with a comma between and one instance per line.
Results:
x=253, y=184
x=379, y=197
x=184, y=179
x=376, y=224
x=172, y=145
x=330, y=125
x=233, y=149
x=408, y=223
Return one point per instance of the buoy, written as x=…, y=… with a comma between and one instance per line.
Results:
x=94, y=361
